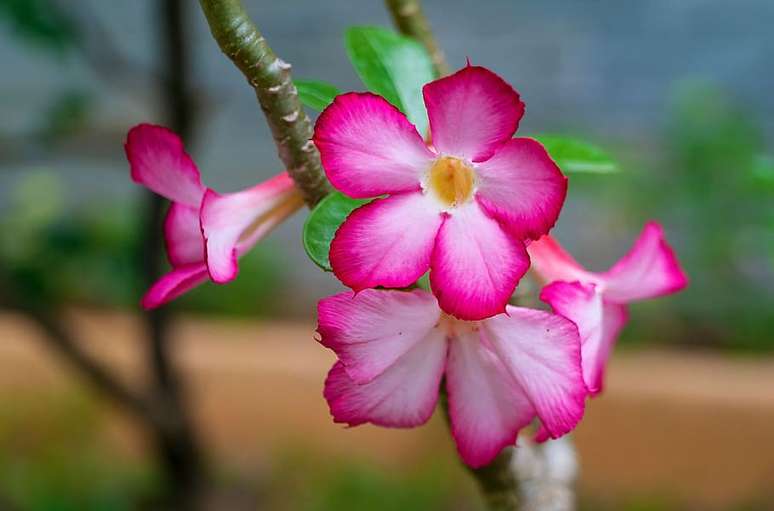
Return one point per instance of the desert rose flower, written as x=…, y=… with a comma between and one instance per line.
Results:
x=460, y=207
x=205, y=232
x=395, y=347
x=596, y=302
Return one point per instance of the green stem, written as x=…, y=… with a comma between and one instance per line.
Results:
x=270, y=76
x=411, y=21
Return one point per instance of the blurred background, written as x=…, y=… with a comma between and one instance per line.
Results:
x=678, y=92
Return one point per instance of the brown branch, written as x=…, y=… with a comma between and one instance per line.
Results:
x=60, y=339
x=411, y=21
x=269, y=75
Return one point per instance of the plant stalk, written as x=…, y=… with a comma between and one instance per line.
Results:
x=411, y=21
x=270, y=77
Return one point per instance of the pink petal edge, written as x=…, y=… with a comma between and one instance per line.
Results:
x=369, y=148
x=471, y=112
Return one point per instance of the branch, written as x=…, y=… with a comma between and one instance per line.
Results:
x=546, y=474
x=411, y=21
x=58, y=337
x=269, y=75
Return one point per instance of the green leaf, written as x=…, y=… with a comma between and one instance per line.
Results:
x=315, y=94
x=577, y=156
x=40, y=22
x=322, y=224
x=392, y=66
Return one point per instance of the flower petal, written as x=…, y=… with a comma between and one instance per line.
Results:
x=475, y=265
x=369, y=148
x=582, y=304
x=372, y=329
x=403, y=396
x=174, y=284
x=183, y=235
x=649, y=269
x=552, y=262
x=234, y=222
x=522, y=187
x=471, y=112
x=387, y=242
x=542, y=353
x=487, y=409
x=159, y=162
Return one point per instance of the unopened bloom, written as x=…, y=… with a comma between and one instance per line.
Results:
x=596, y=302
x=205, y=232
x=460, y=207
x=395, y=347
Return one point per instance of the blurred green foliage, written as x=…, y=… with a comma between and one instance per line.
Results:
x=712, y=186
x=54, y=458
x=40, y=22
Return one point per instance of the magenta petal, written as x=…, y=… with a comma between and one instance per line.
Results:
x=174, y=284
x=542, y=354
x=370, y=330
x=551, y=262
x=582, y=304
x=471, y=112
x=369, y=148
x=182, y=235
x=522, y=187
x=232, y=223
x=475, y=265
x=386, y=243
x=486, y=408
x=402, y=396
x=159, y=162
x=648, y=270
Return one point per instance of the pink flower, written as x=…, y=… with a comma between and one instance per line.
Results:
x=460, y=207
x=395, y=347
x=596, y=302
x=205, y=232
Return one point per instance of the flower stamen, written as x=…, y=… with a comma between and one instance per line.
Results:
x=451, y=180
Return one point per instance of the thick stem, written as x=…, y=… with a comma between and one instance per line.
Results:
x=411, y=21
x=270, y=76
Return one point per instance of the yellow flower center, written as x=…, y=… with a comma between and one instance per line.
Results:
x=451, y=180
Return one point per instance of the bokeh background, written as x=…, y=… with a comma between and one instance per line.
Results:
x=678, y=92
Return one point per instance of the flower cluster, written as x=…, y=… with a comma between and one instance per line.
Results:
x=205, y=232
x=473, y=206
x=468, y=203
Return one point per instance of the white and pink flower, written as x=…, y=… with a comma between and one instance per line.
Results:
x=460, y=207
x=395, y=348
x=205, y=232
x=597, y=302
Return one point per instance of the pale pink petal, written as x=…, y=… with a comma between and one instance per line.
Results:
x=386, y=243
x=582, y=304
x=475, y=265
x=370, y=330
x=486, y=407
x=174, y=284
x=404, y=395
x=159, y=162
x=369, y=148
x=522, y=187
x=471, y=113
x=542, y=353
x=232, y=221
x=551, y=262
x=183, y=235
x=649, y=269
x=614, y=317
